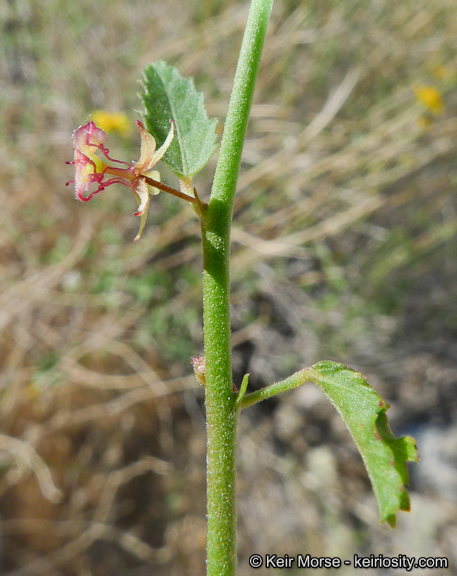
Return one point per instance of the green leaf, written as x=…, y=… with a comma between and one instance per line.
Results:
x=168, y=96
x=364, y=413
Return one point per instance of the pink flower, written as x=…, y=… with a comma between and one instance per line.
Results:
x=93, y=169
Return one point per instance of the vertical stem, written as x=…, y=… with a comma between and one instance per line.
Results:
x=221, y=411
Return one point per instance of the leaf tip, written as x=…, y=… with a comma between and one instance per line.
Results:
x=392, y=520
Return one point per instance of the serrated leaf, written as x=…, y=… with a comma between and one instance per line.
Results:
x=364, y=413
x=168, y=96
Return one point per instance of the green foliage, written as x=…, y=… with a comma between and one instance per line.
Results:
x=149, y=284
x=105, y=281
x=169, y=96
x=59, y=250
x=171, y=330
x=46, y=373
x=364, y=413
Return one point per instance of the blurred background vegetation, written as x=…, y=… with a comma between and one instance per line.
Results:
x=344, y=248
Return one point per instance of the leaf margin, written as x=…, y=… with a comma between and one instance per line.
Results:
x=397, y=451
x=195, y=135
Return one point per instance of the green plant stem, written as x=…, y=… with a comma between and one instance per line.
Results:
x=289, y=383
x=221, y=408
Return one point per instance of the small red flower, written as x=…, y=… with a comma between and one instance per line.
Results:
x=102, y=171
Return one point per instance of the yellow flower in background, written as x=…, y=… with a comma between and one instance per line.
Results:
x=112, y=122
x=429, y=97
x=442, y=72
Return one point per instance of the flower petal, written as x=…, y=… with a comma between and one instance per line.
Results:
x=141, y=190
x=88, y=138
x=161, y=151
x=148, y=147
x=86, y=173
x=91, y=168
x=155, y=175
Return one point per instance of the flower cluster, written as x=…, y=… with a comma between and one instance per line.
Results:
x=102, y=171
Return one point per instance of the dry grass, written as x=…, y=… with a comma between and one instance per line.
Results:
x=344, y=247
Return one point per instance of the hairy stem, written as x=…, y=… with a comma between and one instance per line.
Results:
x=289, y=383
x=221, y=408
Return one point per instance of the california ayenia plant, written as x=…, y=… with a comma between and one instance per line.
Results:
x=175, y=117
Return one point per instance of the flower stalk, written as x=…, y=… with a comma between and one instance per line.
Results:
x=160, y=186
